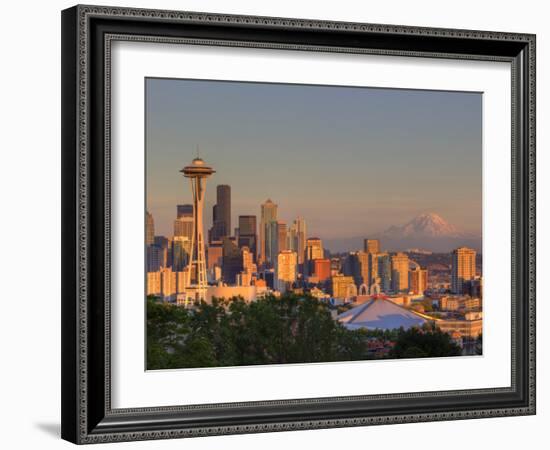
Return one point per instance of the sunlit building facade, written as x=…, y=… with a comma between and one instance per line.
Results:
x=463, y=269
x=268, y=214
x=400, y=272
x=286, y=270
x=418, y=280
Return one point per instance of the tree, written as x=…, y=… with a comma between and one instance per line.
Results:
x=428, y=341
x=271, y=330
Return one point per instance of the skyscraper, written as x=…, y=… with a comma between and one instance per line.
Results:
x=197, y=173
x=221, y=226
x=371, y=245
x=268, y=214
x=463, y=268
x=384, y=271
x=400, y=272
x=356, y=265
x=322, y=269
x=282, y=236
x=272, y=243
x=232, y=260
x=184, y=211
x=183, y=226
x=298, y=238
x=418, y=280
x=286, y=269
x=214, y=255
x=247, y=234
x=149, y=229
x=181, y=250
x=314, y=250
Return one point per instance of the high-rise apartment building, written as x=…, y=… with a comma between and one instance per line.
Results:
x=400, y=272
x=418, y=280
x=463, y=268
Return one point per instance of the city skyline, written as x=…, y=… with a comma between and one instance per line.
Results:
x=365, y=209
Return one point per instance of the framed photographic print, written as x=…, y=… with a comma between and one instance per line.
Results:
x=278, y=224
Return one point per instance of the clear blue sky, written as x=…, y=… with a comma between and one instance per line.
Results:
x=351, y=161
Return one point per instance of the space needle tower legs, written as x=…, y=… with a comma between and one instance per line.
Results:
x=196, y=286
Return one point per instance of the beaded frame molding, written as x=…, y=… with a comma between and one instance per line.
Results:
x=87, y=35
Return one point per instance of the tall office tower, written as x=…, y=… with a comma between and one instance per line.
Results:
x=214, y=255
x=183, y=226
x=248, y=260
x=343, y=286
x=165, y=246
x=181, y=250
x=282, y=236
x=313, y=251
x=371, y=245
x=154, y=258
x=298, y=238
x=149, y=229
x=268, y=214
x=287, y=262
x=356, y=265
x=247, y=234
x=322, y=269
x=232, y=260
x=272, y=243
x=463, y=268
x=372, y=262
x=197, y=173
x=384, y=271
x=418, y=280
x=184, y=211
x=221, y=225
x=400, y=272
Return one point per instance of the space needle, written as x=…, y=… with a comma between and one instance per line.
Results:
x=195, y=287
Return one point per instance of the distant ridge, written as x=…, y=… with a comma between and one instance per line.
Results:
x=426, y=231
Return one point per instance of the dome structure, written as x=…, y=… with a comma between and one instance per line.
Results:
x=382, y=314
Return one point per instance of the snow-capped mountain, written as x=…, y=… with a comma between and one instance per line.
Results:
x=426, y=231
x=430, y=224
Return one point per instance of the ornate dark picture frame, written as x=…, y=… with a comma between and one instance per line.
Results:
x=87, y=34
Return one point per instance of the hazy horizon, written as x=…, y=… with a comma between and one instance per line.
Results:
x=352, y=161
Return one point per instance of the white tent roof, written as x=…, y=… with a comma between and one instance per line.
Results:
x=380, y=314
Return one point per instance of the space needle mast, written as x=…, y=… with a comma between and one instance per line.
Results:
x=195, y=287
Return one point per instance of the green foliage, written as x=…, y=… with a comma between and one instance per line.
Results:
x=426, y=342
x=289, y=329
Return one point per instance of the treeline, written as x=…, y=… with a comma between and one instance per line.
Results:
x=289, y=329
